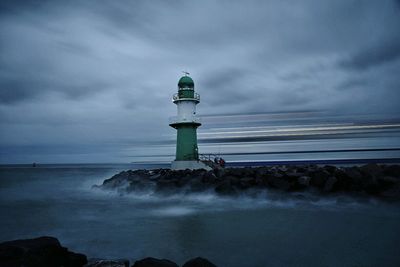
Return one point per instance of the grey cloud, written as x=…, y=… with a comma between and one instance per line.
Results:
x=373, y=56
x=104, y=71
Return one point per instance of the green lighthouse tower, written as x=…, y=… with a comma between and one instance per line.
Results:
x=186, y=123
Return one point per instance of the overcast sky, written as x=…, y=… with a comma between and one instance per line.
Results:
x=81, y=80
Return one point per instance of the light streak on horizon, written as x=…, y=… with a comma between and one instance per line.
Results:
x=297, y=131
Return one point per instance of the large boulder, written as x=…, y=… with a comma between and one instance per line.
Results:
x=319, y=178
x=392, y=194
x=209, y=178
x=355, y=178
x=331, y=169
x=38, y=252
x=330, y=184
x=372, y=169
x=303, y=181
x=196, y=185
x=392, y=170
x=247, y=182
x=199, y=262
x=225, y=188
x=153, y=262
x=219, y=172
x=280, y=182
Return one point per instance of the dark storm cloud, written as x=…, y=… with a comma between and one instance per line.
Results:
x=374, y=56
x=104, y=71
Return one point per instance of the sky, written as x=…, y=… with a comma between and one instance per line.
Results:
x=90, y=81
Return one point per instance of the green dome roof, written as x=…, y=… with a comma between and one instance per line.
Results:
x=185, y=81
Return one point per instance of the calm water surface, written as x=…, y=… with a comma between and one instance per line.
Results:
x=269, y=230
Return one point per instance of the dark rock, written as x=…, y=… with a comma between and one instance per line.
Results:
x=368, y=179
x=219, y=172
x=233, y=180
x=209, y=177
x=331, y=169
x=355, y=178
x=116, y=180
x=248, y=171
x=282, y=169
x=301, y=169
x=140, y=186
x=155, y=177
x=330, y=184
x=108, y=263
x=152, y=262
x=184, y=180
x=38, y=252
x=344, y=182
x=319, y=178
x=199, y=262
x=196, y=185
x=261, y=173
x=304, y=181
x=167, y=183
x=225, y=188
x=388, y=180
x=247, y=182
x=392, y=193
x=371, y=185
x=278, y=181
x=371, y=169
x=392, y=170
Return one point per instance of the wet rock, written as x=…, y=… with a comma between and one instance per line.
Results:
x=107, y=263
x=355, y=179
x=196, y=185
x=199, y=262
x=219, y=172
x=331, y=169
x=319, y=178
x=209, y=177
x=344, y=182
x=155, y=177
x=278, y=181
x=371, y=185
x=225, y=188
x=140, y=186
x=388, y=180
x=261, y=173
x=153, y=262
x=367, y=179
x=38, y=252
x=282, y=169
x=246, y=182
x=330, y=184
x=392, y=193
x=371, y=169
x=304, y=181
x=392, y=170
x=301, y=169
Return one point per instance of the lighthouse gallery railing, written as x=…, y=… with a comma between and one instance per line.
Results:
x=176, y=97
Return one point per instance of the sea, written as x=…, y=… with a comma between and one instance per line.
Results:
x=271, y=229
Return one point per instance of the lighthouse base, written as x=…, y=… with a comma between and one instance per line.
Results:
x=189, y=164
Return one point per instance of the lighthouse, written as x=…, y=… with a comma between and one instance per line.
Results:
x=186, y=123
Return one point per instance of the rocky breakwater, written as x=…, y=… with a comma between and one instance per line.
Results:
x=47, y=252
x=38, y=252
x=382, y=181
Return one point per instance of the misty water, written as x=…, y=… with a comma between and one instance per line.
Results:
x=267, y=230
